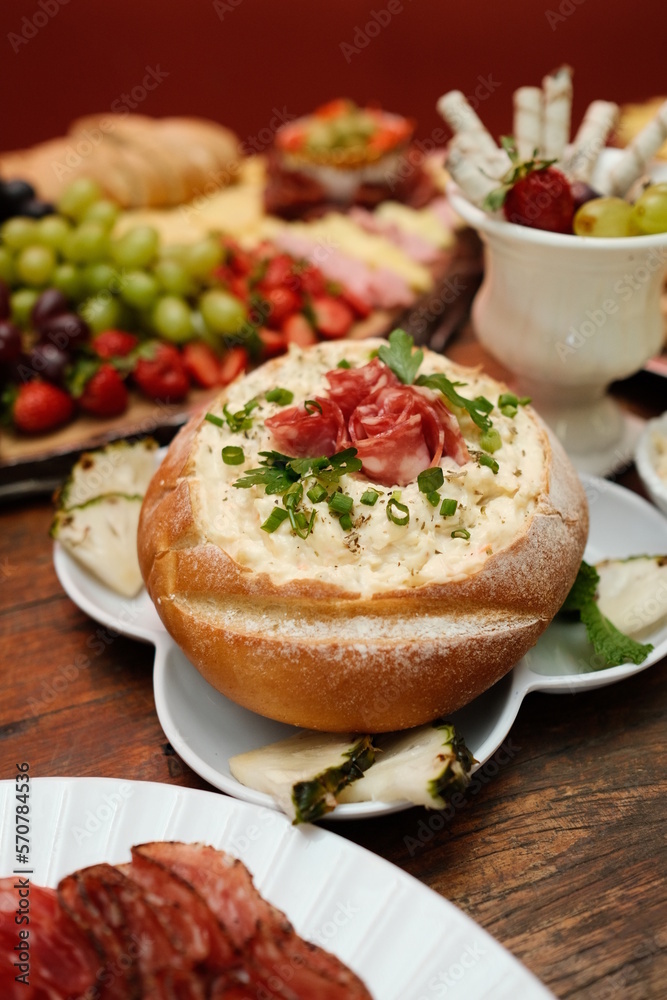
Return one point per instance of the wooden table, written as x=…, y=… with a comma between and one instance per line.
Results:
x=559, y=852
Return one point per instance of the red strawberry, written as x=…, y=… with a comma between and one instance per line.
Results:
x=105, y=394
x=333, y=318
x=360, y=308
x=273, y=342
x=40, y=407
x=279, y=272
x=311, y=280
x=114, y=343
x=201, y=363
x=163, y=376
x=297, y=330
x=541, y=200
x=234, y=362
x=282, y=303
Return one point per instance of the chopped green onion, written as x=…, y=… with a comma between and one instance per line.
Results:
x=311, y=405
x=509, y=411
x=460, y=533
x=241, y=420
x=490, y=462
x=280, y=396
x=340, y=503
x=430, y=479
x=448, y=507
x=490, y=440
x=231, y=455
x=275, y=519
x=292, y=498
x=300, y=523
x=524, y=401
x=507, y=399
x=433, y=498
x=317, y=493
x=343, y=364
x=345, y=522
x=369, y=497
x=401, y=518
x=212, y=419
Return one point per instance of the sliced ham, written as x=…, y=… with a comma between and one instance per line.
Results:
x=414, y=245
x=378, y=287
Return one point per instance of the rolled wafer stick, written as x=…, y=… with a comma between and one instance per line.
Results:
x=634, y=159
x=597, y=123
x=469, y=174
x=527, y=127
x=557, y=89
x=461, y=118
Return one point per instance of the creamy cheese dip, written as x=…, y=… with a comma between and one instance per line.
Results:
x=377, y=555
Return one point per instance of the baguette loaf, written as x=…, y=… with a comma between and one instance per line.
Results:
x=384, y=624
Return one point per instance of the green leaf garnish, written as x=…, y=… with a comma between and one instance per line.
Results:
x=478, y=408
x=608, y=642
x=400, y=356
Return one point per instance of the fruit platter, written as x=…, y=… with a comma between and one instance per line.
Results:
x=123, y=307
x=146, y=262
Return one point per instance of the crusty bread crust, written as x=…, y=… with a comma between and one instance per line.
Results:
x=314, y=655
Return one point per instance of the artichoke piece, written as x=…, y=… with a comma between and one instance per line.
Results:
x=102, y=536
x=424, y=766
x=632, y=593
x=306, y=772
x=121, y=467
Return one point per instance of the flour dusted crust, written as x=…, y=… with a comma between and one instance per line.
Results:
x=382, y=628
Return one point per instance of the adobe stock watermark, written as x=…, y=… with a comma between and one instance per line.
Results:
x=623, y=288
x=437, y=820
x=98, y=815
x=44, y=12
x=566, y=9
x=250, y=146
x=223, y=7
x=449, y=978
x=363, y=34
x=85, y=142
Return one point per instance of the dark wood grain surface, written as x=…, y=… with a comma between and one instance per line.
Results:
x=558, y=849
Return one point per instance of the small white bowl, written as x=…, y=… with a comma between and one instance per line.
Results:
x=646, y=457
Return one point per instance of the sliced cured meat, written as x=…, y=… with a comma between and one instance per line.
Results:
x=118, y=974
x=398, y=430
x=311, y=430
x=184, y=914
x=350, y=387
x=256, y=926
x=62, y=962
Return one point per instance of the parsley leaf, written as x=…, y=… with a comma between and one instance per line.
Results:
x=608, y=641
x=400, y=357
x=478, y=408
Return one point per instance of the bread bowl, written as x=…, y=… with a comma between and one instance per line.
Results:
x=386, y=625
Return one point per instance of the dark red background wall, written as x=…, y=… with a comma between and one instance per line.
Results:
x=238, y=60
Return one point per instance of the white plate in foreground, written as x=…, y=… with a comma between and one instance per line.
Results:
x=206, y=729
x=403, y=939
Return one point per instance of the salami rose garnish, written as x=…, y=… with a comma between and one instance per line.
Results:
x=398, y=430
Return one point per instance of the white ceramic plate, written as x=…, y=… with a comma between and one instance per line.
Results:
x=206, y=729
x=404, y=940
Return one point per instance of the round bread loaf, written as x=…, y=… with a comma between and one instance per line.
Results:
x=405, y=609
